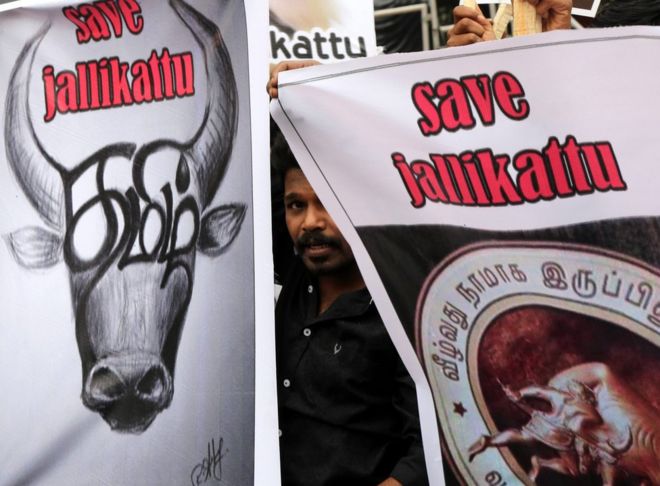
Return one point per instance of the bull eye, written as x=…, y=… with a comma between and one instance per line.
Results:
x=185, y=229
x=151, y=230
x=90, y=234
x=95, y=231
x=182, y=175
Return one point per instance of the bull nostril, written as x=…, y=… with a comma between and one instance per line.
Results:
x=105, y=385
x=152, y=385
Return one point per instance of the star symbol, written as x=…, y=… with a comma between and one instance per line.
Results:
x=459, y=409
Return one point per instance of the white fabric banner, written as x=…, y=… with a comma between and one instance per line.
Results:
x=133, y=133
x=501, y=200
x=325, y=30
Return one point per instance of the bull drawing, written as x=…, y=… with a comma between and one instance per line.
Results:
x=623, y=408
x=595, y=422
x=130, y=296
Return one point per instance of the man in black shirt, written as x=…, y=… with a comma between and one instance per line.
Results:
x=347, y=406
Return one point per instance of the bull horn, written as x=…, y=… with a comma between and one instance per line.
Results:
x=210, y=148
x=36, y=172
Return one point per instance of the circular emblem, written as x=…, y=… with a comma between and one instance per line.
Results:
x=543, y=361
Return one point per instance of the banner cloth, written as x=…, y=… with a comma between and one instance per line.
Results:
x=132, y=317
x=501, y=200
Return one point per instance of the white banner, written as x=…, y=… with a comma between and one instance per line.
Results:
x=501, y=200
x=325, y=30
x=132, y=315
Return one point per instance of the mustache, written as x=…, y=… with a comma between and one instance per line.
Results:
x=316, y=238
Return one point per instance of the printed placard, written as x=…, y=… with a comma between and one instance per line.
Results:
x=128, y=264
x=501, y=326
x=324, y=30
x=504, y=224
x=587, y=8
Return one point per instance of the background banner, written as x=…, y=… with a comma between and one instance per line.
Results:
x=501, y=201
x=587, y=8
x=325, y=30
x=131, y=311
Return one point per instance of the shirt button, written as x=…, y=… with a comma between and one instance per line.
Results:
x=310, y=289
x=307, y=332
x=286, y=383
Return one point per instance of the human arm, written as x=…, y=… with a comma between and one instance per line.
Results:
x=283, y=254
x=275, y=70
x=540, y=392
x=410, y=470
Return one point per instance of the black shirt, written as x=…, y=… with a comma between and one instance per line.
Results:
x=347, y=406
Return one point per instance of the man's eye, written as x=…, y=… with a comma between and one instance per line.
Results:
x=294, y=205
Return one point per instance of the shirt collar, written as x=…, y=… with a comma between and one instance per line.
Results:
x=347, y=305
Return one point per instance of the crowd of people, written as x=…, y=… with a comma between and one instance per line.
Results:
x=347, y=406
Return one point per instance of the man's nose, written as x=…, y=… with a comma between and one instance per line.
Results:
x=315, y=219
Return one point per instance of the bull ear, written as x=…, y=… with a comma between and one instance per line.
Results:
x=34, y=247
x=219, y=228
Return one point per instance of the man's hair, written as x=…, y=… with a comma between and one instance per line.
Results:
x=628, y=12
x=281, y=157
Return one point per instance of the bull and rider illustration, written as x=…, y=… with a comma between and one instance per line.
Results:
x=131, y=297
x=596, y=424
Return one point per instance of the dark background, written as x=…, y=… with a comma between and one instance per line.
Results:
x=404, y=256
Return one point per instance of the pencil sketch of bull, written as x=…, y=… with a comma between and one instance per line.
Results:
x=130, y=297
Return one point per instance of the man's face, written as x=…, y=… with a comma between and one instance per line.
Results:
x=319, y=243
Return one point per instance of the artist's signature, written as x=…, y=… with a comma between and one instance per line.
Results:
x=210, y=468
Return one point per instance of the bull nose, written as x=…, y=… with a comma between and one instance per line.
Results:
x=129, y=390
x=153, y=384
x=106, y=385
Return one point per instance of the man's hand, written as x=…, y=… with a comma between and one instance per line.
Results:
x=470, y=26
x=390, y=482
x=271, y=87
x=556, y=14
